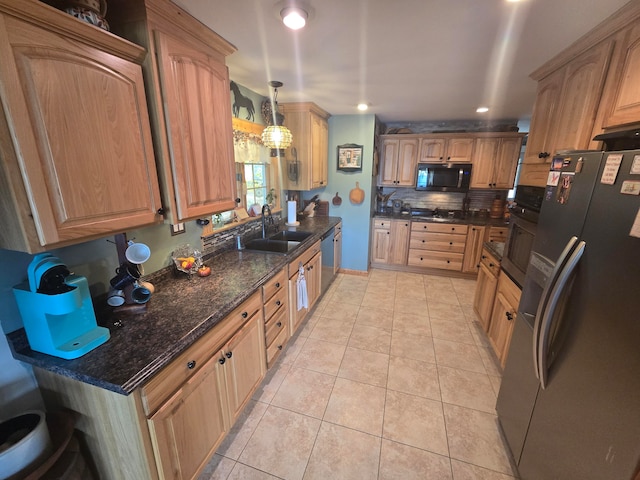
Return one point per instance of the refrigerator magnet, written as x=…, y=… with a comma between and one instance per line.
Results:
x=635, y=165
x=564, y=187
x=553, y=178
x=635, y=228
x=611, y=168
x=630, y=187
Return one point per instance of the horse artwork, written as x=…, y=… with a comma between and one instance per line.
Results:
x=241, y=101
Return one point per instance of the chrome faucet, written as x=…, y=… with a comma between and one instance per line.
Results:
x=266, y=208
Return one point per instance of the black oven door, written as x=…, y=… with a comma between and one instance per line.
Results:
x=517, y=249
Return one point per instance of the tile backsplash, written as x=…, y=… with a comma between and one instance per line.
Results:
x=479, y=199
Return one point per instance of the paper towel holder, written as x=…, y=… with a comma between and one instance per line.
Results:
x=292, y=213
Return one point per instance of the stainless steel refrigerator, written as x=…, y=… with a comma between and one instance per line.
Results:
x=569, y=402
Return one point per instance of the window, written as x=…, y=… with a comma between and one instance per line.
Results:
x=256, y=183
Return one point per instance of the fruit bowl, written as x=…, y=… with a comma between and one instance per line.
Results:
x=187, y=259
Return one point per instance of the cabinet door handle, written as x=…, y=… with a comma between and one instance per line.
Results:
x=543, y=154
x=509, y=316
x=245, y=314
x=278, y=285
x=491, y=264
x=221, y=360
x=278, y=302
x=279, y=347
x=423, y=241
x=191, y=364
x=279, y=324
x=450, y=243
x=448, y=261
x=229, y=354
x=483, y=257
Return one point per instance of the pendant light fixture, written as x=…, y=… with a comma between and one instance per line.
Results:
x=276, y=136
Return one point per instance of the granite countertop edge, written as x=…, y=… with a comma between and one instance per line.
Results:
x=179, y=313
x=496, y=249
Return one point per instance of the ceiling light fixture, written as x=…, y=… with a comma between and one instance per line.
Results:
x=482, y=109
x=276, y=136
x=363, y=107
x=293, y=17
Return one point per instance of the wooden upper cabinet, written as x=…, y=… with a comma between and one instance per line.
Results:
x=545, y=109
x=188, y=88
x=446, y=149
x=195, y=88
x=624, y=83
x=566, y=122
x=432, y=150
x=581, y=92
x=495, y=160
x=75, y=141
x=398, y=161
x=309, y=127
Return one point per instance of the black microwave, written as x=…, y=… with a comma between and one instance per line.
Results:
x=443, y=177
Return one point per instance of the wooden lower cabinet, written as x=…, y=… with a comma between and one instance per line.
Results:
x=486, y=288
x=311, y=261
x=276, y=314
x=390, y=242
x=191, y=424
x=170, y=427
x=505, y=308
x=437, y=245
x=473, y=249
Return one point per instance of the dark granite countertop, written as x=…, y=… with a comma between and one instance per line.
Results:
x=180, y=311
x=465, y=220
x=496, y=248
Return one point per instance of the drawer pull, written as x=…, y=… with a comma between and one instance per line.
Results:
x=278, y=302
x=229, y=354
x=279, y=324
x=423, y=241
x=245, y=314
x=421, y=258
x=491, y=265
x=278, y=285
x=279, y=347
x=450, y=243
x=448, y=261
x=221, y=360
x=191, y=364
x=484, y=256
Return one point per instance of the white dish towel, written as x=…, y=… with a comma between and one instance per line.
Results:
x=303, y=300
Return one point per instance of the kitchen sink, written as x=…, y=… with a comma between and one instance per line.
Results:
x=281, y=242
x=291, y=236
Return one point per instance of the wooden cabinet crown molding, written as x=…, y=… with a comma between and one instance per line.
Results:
x=53, y=20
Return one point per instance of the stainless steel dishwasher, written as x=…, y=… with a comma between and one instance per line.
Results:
x=328, y=259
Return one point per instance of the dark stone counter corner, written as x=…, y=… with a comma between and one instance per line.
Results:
x=180, y=311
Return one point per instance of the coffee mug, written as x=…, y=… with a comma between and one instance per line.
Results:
x=140, y=294
x=137, y=253
x=126, y=274
x=115, y=298
x=149, y=286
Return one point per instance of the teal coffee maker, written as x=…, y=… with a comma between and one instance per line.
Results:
x=57, y=311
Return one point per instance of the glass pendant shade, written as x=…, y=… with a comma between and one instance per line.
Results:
x=277, y=137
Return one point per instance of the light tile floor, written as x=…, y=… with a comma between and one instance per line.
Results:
x=390, y=377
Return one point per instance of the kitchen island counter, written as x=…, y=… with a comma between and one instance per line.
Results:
x=181, y=310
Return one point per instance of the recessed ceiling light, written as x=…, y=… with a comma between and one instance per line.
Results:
x=363, y=107
x=482, y=109
x=293, y=17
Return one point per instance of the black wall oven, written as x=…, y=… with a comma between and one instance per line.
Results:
x=522, y=231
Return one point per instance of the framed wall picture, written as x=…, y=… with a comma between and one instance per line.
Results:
x=350, y=157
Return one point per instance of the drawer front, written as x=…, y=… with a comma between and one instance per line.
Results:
x=382, y=223
x=273, y=285
x=276, y=347
x=338, y=228
x=304, y=258
x=275, y=326
x=442, y=242
x=173, y=376
x=490, y=262
x=439, y=227
x=275, y=303
x=498, y=234
x=441, y=260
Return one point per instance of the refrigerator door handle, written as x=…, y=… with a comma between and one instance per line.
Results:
x=544, y=300
x=556, y=293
